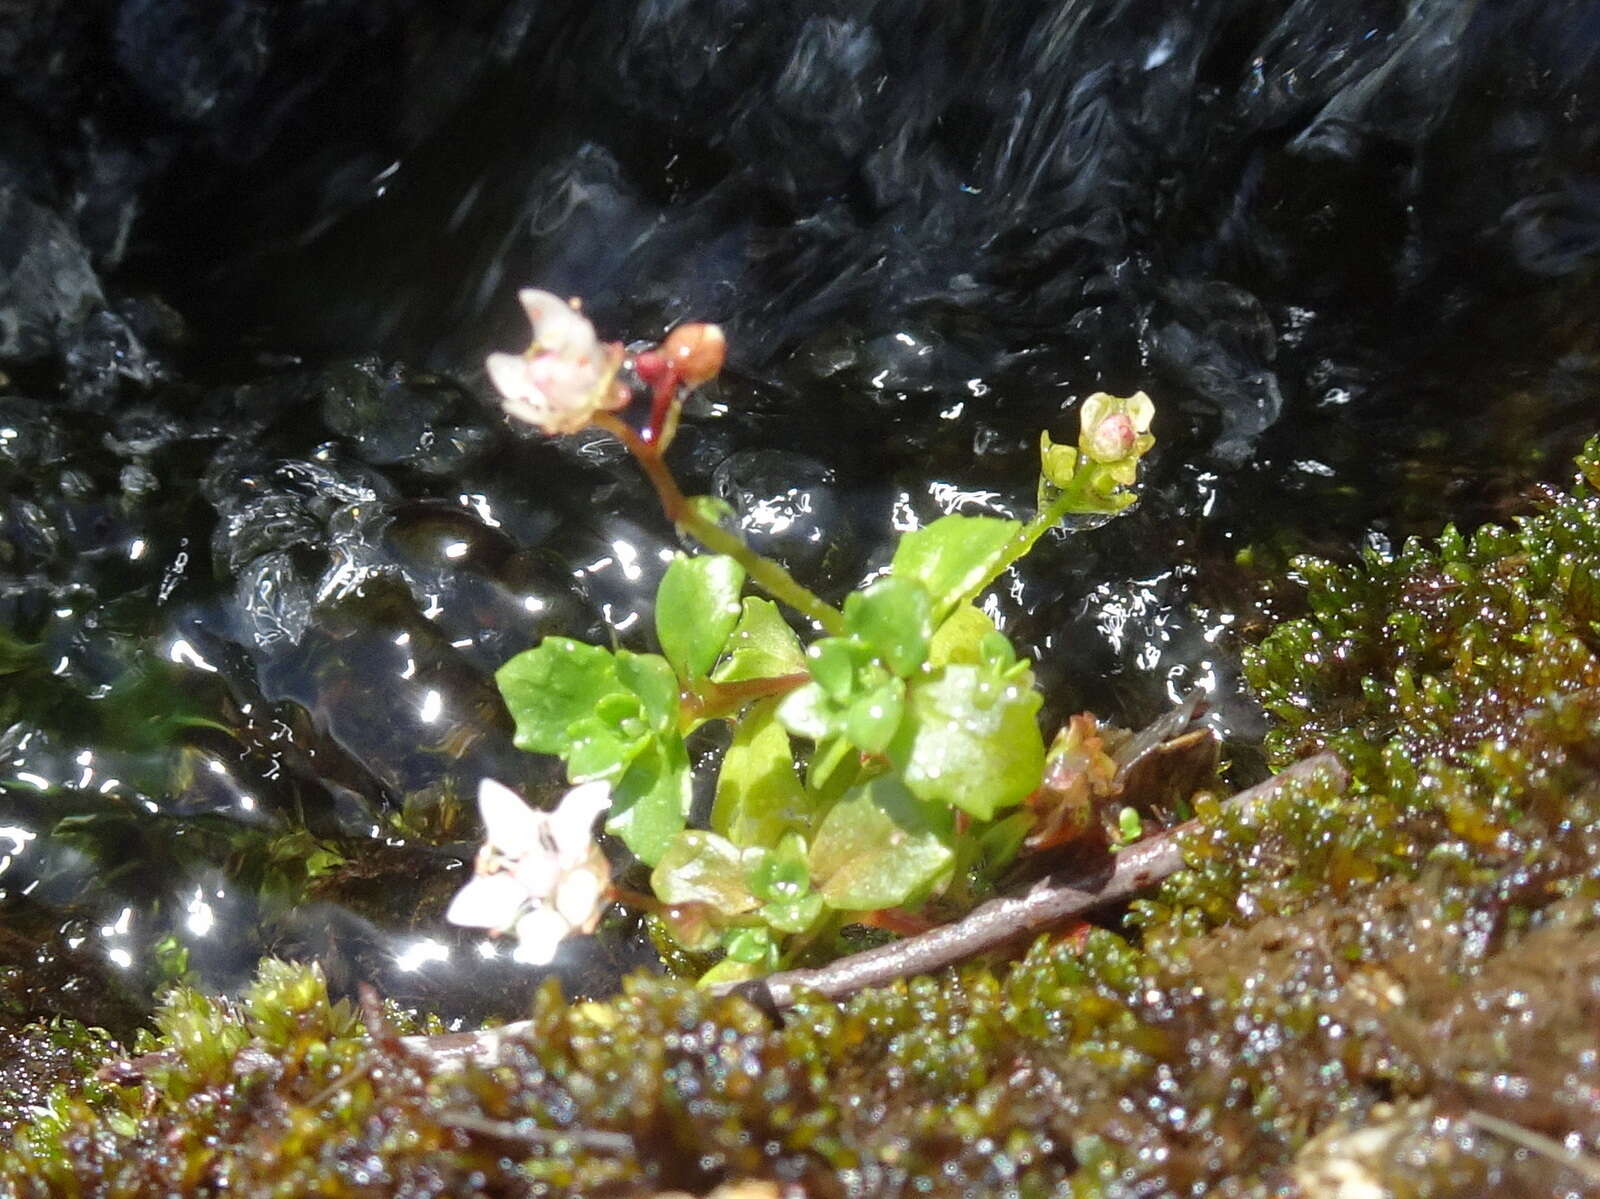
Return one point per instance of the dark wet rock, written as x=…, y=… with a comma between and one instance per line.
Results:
x=48, y=286
x=787, y=506
x=390, y=416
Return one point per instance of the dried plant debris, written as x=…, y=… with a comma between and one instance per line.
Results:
x=1385, y=991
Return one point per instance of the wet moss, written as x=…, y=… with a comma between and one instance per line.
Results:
x=1394, y=985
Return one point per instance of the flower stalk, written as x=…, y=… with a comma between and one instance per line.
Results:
x=771, y=577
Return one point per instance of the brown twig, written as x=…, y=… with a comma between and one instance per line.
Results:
x=1003, y=921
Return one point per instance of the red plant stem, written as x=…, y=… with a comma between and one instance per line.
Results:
x=660, y=402
x=714, y=699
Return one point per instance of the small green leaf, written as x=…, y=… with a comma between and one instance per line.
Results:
x=960, y=638
x=806, y=712
x=781, y=872
x=751, y=946
x=651, y=800
x=600, y=749
x=999, y=843
x=697, y=606
x=651, y=678
x=701, y=867
x=970, y=739
x=834, y=662
x=872, y=719
x=729, y=970
x=833, y=767
x=879, y=847
x=954, y=557
x=1057, y=463
x=783, y=881
x=793, y=915
x=549, y=687
x=894, y=617
x=759, y=796
x=16, y=654
x=761, y=646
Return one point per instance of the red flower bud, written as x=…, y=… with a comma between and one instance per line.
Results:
x=696, y=351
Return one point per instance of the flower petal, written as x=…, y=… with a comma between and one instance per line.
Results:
x=509, y=824
x=539, y=936
x=487, y=901
x=578, y=898
x=572, y=823
x=510, y=376
x=557, y=326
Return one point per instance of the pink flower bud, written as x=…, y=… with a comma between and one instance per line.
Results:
x=1112, y=439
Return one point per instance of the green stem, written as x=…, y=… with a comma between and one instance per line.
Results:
x=1021, y=542
x=1081, y=497
x=768, y=575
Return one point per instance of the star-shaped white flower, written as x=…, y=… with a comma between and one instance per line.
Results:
x=539, y=874
x=567, y=374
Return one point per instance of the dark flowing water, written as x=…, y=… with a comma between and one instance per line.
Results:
x=264, y=537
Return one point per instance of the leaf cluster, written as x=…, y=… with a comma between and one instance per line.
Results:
x=865, y=771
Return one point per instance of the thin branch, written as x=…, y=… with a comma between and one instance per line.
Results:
x=1003, y=921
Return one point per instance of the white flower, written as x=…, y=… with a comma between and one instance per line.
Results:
x=539, y=874
x=565, y=376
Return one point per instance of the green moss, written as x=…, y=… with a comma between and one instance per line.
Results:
x=1394, y=959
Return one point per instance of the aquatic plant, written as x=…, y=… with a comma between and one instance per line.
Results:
x=918, y=715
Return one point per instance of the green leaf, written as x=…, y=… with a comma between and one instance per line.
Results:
x=602, y=748
x=970, y=739
x=549, y=687
x=960, y=638
x=752, y=947
x=651, y=800
x=833, y=767
x=783, y=881
x=872, y=719
x=759, y=796
x=994, y=848
x=834, y=663
x=697, y=606
x=1057, y=463
x=955, y=557
x=781, y=872
x=701, y=867
x=761, y=646
x=651, y=678
x=807, y=712
x=879, y=847
x=894, y=617
x=729, y=970
x=793, y=915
